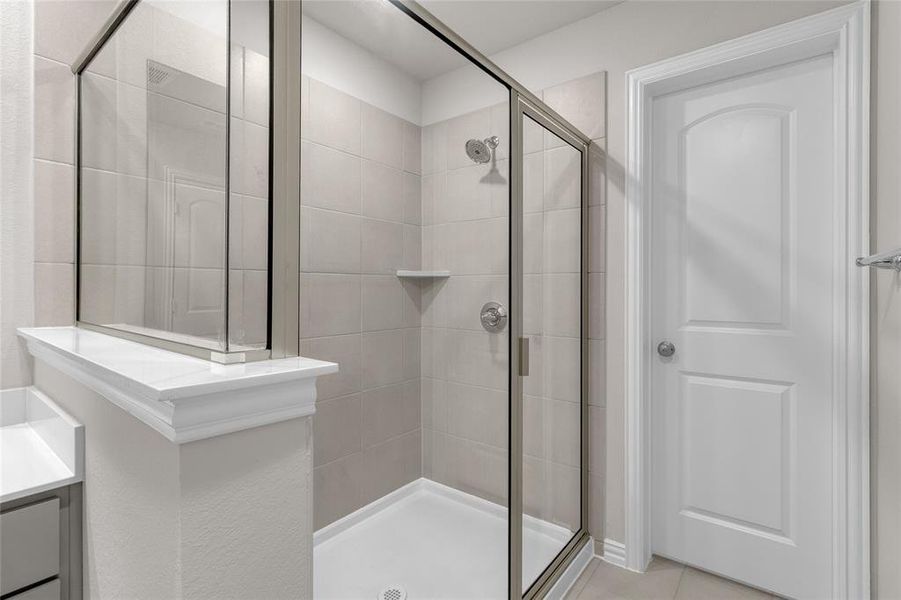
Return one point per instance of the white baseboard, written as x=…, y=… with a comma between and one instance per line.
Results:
x=614, y=553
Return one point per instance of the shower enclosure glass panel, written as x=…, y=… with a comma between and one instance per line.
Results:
x=173, y=176
x=552, y=321
x=436, y=231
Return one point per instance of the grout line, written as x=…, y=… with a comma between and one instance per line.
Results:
x=358, y=156
x=50, y=161
x=679, y=585
x=363, y=448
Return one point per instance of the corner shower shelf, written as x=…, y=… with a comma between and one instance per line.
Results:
x=423, y=274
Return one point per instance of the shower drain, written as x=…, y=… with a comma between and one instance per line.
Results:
x=393, y=592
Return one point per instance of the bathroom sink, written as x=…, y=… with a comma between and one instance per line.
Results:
x=41, y=446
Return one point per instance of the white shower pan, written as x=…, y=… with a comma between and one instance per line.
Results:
x=433, y=541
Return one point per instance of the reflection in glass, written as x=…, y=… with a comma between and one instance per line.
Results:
x=160, y=239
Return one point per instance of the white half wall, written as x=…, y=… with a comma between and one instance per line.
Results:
x=338, y=62
x=224, y=517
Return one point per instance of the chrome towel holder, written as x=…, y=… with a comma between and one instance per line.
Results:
x=884, y=260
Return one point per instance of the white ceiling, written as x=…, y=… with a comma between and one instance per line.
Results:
x=495, y=25
x=489, y=25
x=385, y=31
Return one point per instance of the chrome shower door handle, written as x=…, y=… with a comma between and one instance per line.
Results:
x=493, y=317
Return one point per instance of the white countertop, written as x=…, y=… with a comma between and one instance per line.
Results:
x=41, y=447
x=183, y=397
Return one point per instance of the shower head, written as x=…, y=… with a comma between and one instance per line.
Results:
x=480, y=150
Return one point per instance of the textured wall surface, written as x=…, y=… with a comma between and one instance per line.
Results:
x=208, y=519
x=246, y=517
x=16, y=223
x=131, y=496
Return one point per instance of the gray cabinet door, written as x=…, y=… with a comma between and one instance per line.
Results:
x=29, y=546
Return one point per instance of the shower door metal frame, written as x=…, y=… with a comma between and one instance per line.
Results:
x=521, y=109
x=524, y=102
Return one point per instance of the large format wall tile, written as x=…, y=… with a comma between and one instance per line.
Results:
x=329, y=304
x=330, y=178
x=362, y=212
x=62, y=28
x=383, y=192
x=54, y=209
x=54, y=294
x=412, y=148
x=335, y=118
x=54, y=105
x=344, y=350
x=383, y=358
x=382, y=245
x=337, y=488
x=390, y=411
x=336, y=428
x=390, y=465
x=582, y=102
x=383, y=306
x=330, y=241
x=412, y=199
x=382, y=137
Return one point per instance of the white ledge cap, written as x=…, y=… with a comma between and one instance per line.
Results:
x=183, y=397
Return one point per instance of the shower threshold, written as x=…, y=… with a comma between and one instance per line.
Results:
x=435, y=542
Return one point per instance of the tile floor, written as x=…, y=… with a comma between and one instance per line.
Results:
x=664, y=580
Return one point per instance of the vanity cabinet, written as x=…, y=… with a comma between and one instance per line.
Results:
x=40, y=546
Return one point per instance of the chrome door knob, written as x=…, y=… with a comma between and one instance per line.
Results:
x=493, y=317
x=666, y=349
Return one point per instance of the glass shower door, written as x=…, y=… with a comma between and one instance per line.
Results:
x=553, y=327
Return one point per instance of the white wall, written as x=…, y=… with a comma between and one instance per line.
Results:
x=16, y=224
x=338, y=62
x=206, y=519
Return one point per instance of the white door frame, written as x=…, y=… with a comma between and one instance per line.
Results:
x=844, y=32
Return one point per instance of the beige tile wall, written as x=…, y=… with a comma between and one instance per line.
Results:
x=464, y=399
x=360, y=222
x=465, y=368
x=60, y=31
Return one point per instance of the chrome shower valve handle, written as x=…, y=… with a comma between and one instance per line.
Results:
x=493, y=317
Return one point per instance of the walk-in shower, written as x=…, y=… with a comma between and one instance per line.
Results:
x=433, y=243
x=444, y=266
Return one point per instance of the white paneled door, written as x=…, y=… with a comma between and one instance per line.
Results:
x=742, y=287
